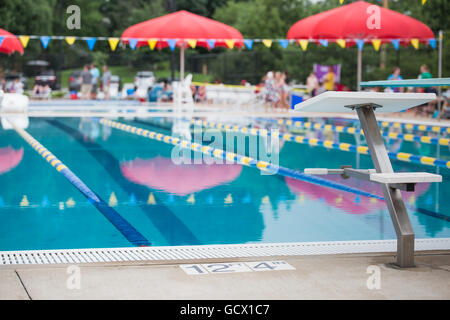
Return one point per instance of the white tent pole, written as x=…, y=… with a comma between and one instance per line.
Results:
x=441, y=36
x=182, y=63
x=359, y=70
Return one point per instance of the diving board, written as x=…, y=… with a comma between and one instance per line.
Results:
x=421, y=83
x=366, y=104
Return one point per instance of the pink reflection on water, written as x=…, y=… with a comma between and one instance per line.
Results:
x=347, y=201
x=9, y=158
x=161, y=173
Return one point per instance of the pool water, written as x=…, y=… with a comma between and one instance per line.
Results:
x=193, y=204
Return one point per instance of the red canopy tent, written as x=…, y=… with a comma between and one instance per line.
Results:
x=182, y=26
x=10, y=43
x=360, y=21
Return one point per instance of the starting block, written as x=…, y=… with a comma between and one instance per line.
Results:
x=366, y=104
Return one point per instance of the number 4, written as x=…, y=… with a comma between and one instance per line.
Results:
x=264, y=265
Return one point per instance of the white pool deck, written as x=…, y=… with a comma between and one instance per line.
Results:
x=314, y=277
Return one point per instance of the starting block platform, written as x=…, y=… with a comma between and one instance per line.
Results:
x=366, y=104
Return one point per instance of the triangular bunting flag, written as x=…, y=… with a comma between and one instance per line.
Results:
x=132, y=43
x=360, y=44
x=152, y=43
x=395, y=43
x=172, y=43
x=341, y=1
x=91, y=43
x=151, y=199
x=45, y=203
x=341, y=42
x=283, y=43
x=113, y=42
x=248, y=43
x=303, y=44
x=192, y=43
x=424, y=1
x=112, y=200
x=45, y=40
x=415, y=43
x=228, y=199
x=1, y=40
x=211, y=43
x=2, y=203
x=70, y=40
x=24, y=40
x=132, y=200
x=267, y=42
x=323, y=42
x=191, y=199
x=376, y=44
x=229, y=43
x=432, y=43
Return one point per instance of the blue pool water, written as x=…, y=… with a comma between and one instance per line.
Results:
x=192, y=204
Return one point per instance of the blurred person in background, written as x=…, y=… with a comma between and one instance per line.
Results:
x=106, y=82
x=86, y=83
x=95, y=75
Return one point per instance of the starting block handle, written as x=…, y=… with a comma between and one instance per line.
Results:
x=323, y=171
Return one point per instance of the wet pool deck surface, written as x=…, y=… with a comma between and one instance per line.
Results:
x=315, y=277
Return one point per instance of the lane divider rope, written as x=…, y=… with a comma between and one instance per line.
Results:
x=235, y=158
x=353, y=130
x=329, y=144
x=124, y=227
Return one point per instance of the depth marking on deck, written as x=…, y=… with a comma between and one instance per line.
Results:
x=234, y=267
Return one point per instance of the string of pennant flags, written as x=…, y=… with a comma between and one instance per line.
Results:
x=230, y=43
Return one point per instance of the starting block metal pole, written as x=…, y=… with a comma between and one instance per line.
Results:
x=393, y=197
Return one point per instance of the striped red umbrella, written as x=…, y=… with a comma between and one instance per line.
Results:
x=9, y=43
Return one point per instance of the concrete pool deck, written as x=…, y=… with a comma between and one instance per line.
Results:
x=314, y=277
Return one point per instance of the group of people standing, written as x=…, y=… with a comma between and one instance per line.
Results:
x=316, y=86
x=276, y=90
x=89, y=82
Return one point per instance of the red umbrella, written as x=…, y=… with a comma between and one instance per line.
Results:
x=10, y=43
x=356, y=21
x=9, y=158
x=182, y=26
x=161, y=173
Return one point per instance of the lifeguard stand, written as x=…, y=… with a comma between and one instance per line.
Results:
x=366, y=104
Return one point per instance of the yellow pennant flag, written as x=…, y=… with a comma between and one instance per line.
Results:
x=192, y=43
x=342, y=1
x=24, y=40
x=152, y=43
x=151, y=199
x=113, y=43
x=341, y=42
x=267, y=43
x=424, y=1
x=376, y=44
x=70, y=40
x=415, y=43
x=229, y=43
x=304, y=44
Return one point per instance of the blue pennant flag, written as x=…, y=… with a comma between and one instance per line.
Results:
x=132, y=43
x=360, y=44
x=247, y=199
x=45, y=40
x=2, y=203
x=357, y=199
x=45, y=203
x=170, y=199
x=91, y=42
x=210, y=199
x=1, y=40
x=172, y=43
x=248, y=43
x=283, y=43
x=132, y=200
x=395, y=43
x=431, y=42
x=323, y=42
x=211, y=43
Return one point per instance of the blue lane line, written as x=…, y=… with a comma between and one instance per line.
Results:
x=127, y=230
